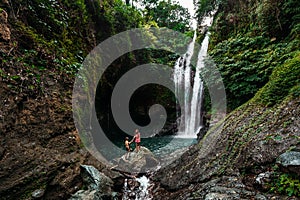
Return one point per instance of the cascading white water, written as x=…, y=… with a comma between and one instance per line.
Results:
x=190, y=121
x=182, y=80
x=197, y=94
x=137, y=189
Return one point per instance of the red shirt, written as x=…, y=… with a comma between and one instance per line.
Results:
x=137, y=137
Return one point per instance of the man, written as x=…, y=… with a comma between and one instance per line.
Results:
x=127, y=146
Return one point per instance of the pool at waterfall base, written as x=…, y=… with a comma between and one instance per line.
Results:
x=161, y=147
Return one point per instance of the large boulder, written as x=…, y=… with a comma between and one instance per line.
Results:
x=137, y=162
x=290, y=161
x=99, y=186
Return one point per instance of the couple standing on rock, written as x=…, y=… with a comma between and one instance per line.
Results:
x=136, y=138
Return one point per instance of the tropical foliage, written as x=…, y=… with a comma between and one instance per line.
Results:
x=251, y=40
x=167, y=14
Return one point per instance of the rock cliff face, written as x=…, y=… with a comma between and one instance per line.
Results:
x=248, y=142
x=40, y=151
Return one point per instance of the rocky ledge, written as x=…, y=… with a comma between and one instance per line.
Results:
x=136, y=162
x=249, y=156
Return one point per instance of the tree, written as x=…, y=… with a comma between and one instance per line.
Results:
x=205, y=7
x=167, y=14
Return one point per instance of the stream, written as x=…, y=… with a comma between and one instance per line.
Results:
x=136, y=189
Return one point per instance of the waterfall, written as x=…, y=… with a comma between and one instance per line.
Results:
x=182, y=80
x=190, y=120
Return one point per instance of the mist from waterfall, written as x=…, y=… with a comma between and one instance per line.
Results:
x=189, y=89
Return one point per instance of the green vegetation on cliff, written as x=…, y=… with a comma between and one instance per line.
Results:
x=42, y=46
x=252, y=40
x=255, y=45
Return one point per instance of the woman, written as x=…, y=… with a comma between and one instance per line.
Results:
x=137, y=140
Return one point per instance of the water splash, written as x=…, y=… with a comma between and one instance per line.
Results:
x=137, y=189
x=144, y=184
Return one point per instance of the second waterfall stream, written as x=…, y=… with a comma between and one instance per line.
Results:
x=189, y=89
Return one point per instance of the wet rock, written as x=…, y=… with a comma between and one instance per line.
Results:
x=98, y=184
x=202, y=132
x=221, y=192
x=169, y=129
x=117, y=178
x=95, y=179
x=260, y=197
x=290, y=161
x=225, y=188
x=139, y=162
x=263, y=179
x=36, y=194
x=214, y=196
x=86, y=195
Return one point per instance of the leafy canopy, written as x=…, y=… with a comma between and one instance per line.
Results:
x=167, y=14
